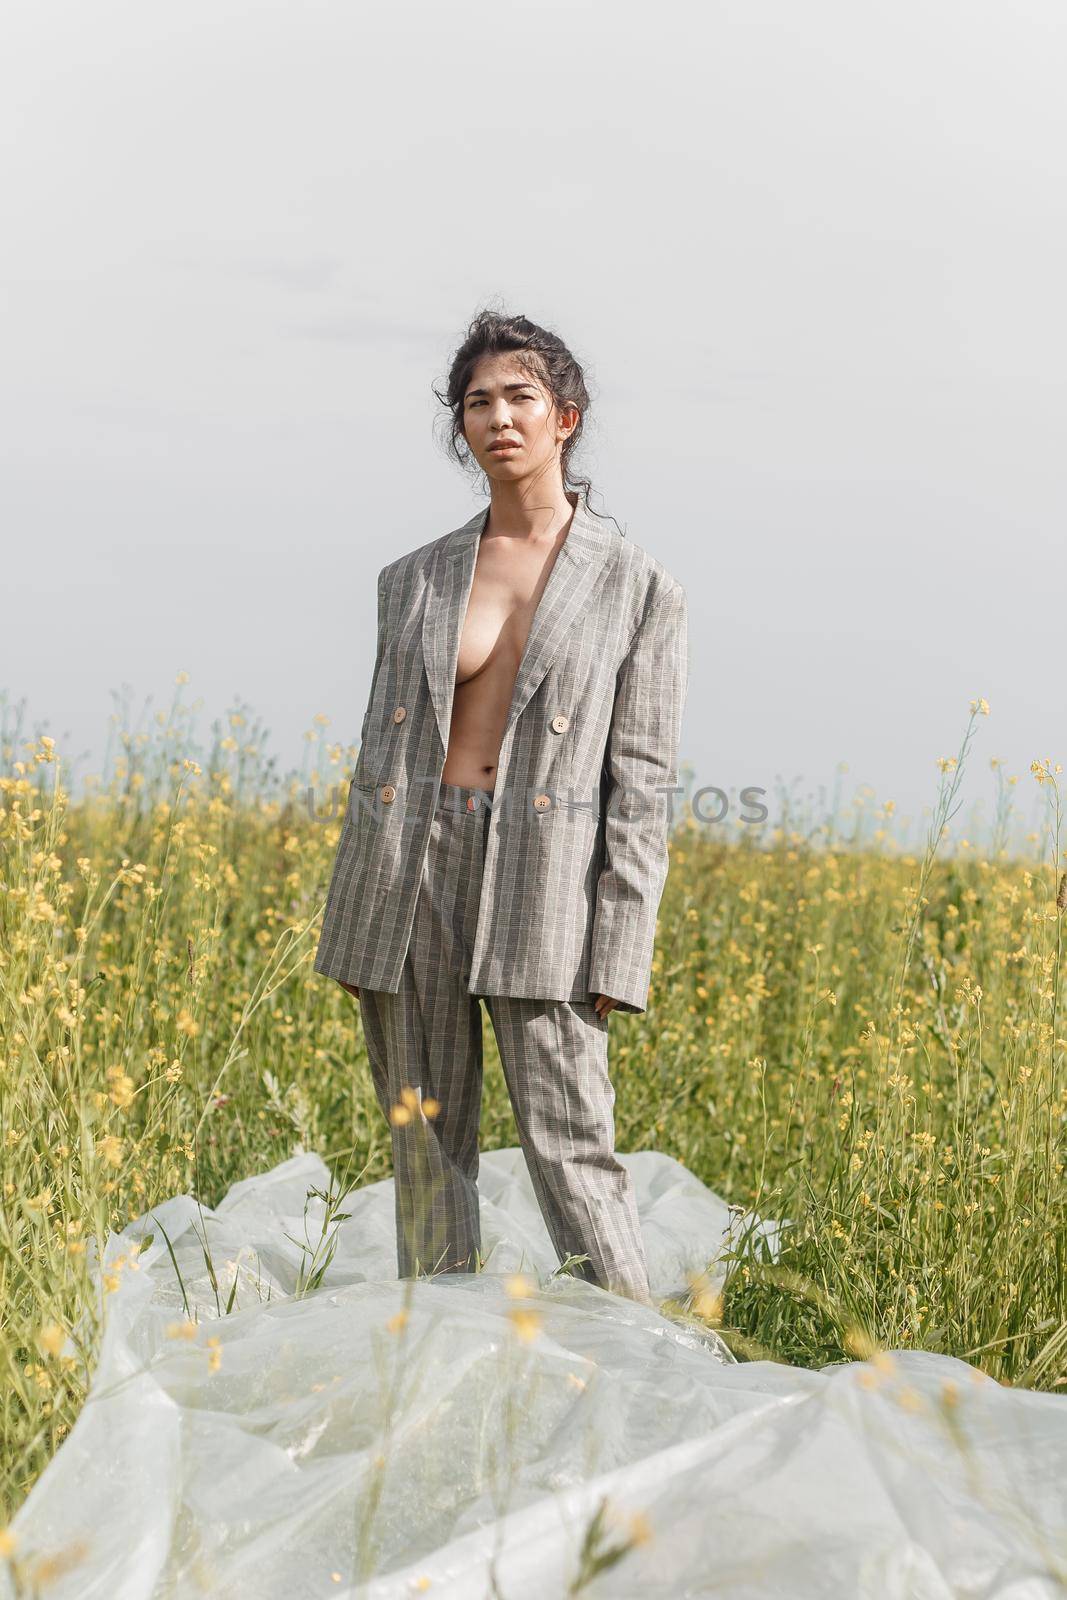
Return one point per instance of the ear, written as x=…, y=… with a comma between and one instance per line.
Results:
x=569, y=419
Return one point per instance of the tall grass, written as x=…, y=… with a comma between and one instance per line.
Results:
x=868, y=1045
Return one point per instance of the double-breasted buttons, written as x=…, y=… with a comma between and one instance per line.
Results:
x=388, y=793
x=400, y=713
x=560, y=724
x=542, y=802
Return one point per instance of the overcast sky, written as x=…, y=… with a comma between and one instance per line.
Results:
x=813, y=256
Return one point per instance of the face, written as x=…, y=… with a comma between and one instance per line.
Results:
x=503, y=403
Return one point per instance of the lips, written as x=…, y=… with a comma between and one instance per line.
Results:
x=509, y=444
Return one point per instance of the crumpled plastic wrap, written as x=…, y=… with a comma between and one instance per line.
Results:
x=324, y=1446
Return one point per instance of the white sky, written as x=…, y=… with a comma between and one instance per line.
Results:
x=814, y=256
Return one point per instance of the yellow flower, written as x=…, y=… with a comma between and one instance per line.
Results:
x=122, y=1087
x=181, y=1330
x=858, y=1342
x=707, y=1300
x=398, y=1321
x=51, y=1339
x=527, y=1324
x=109, y=1148
x=709, y=1305
x=517, y=1286
x=7, y=1543
x=640, y=1528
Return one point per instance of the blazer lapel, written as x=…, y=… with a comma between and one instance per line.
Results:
x=580, y=562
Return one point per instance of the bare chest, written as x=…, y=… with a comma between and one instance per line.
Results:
x=509, y=580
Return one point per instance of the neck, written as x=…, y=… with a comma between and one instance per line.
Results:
x=533, y=510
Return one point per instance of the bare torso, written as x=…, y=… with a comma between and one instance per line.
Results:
x=509, y=579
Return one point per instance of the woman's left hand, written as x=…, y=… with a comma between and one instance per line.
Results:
x=604, y=1003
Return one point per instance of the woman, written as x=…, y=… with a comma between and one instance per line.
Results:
x=507, y=822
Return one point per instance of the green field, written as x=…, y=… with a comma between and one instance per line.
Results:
x=868, y=1043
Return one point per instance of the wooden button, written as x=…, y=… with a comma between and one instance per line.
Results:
x=388, y=793
x=400, y=713
x=470, y=802
x=560, y=724
x=542, y=802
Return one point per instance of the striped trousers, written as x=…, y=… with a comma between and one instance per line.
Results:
x=425, y=1045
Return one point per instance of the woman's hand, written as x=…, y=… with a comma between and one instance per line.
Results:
x=349, y=986
x=604, y=1003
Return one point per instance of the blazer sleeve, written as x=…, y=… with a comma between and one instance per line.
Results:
x=641, y=766
x=379, y=652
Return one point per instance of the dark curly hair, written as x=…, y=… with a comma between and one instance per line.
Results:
x=540, y=353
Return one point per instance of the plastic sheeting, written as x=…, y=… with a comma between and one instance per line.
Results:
x=323, y=1446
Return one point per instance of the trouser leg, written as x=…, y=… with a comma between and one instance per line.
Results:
x=425, y=1042
x=555, y=1059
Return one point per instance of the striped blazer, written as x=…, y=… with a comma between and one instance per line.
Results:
x=576, y=854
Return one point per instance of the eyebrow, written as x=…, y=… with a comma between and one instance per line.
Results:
x=529, y=384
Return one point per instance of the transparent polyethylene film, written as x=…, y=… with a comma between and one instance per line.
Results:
x=310, y=1426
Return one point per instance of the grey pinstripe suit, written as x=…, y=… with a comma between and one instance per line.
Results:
x=538, y=899
x=570, y=891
